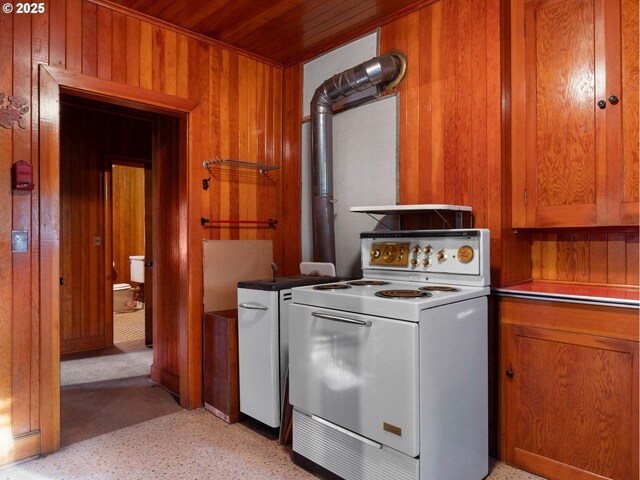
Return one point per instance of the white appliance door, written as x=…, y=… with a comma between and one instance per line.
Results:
x=357, y=371
x=258, y=355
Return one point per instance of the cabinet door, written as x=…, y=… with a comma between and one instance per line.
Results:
x=570, y=404
x=630, y=123
x=575, y=112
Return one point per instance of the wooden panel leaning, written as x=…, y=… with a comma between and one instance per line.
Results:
x=221, y=387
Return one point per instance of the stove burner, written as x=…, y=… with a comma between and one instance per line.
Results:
x=362, y=283
x=402, y=294
x=438, y=288
x=331, y=286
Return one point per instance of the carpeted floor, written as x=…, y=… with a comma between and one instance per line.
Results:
x=188, y=445
x=109, y=390
x=129, y=359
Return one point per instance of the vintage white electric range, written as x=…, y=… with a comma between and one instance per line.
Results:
x=388, y=374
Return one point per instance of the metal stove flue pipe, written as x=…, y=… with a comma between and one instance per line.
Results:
x=386, y=70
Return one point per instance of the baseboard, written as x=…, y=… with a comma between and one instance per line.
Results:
x=20, y=448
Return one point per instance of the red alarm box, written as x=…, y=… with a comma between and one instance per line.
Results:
x=22, y=174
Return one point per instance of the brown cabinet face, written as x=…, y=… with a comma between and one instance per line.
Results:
x=569, y=403
x=575, y=113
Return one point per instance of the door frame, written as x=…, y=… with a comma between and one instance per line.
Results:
x=53, y=82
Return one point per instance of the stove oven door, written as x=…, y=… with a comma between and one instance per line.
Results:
x=358, y=372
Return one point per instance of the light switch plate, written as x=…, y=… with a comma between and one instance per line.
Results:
x=19, y=241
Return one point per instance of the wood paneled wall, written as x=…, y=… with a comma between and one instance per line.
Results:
x=127, y=193
x=583, y=256
x=239, y=114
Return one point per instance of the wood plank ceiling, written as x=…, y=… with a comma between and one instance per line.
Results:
x=282, y=31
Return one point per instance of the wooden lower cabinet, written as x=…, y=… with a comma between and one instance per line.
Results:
x=569, y=393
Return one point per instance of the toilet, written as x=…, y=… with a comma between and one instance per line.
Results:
x=121, y=295
x=122, y=291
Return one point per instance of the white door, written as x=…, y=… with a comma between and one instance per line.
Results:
x=359, y=372
x=259, y=364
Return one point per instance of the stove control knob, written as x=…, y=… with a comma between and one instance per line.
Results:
x=375, y=253
x=427, y=250
x=441, y=255
x=414, y=262
x=415, y=250
x=425, y=262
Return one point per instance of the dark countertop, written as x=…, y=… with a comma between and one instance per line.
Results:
x=617, y=296
x=284, y=283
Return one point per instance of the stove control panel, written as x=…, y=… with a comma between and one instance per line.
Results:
x=437, y=252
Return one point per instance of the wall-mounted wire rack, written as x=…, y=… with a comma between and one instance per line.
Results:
x=262, y=168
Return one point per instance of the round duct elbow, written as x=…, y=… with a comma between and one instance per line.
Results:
x=387, y=71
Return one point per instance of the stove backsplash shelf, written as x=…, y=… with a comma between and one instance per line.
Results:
x=425, y=216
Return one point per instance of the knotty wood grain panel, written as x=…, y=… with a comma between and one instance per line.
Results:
x=563, y=124
x=590, y=376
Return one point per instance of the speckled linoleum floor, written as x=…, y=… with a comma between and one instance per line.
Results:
x=187, y=445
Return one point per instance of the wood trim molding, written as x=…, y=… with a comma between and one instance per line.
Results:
x=54, y=81
x=119, y=94
x=603, y=321
x=49, y=178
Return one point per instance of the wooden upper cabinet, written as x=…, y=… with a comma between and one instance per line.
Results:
x=574, y=112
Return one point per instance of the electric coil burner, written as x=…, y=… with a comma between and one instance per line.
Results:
x=388, y=374
x=438, y=288
x=332, y=286
x=367, y=283
x=402, y=294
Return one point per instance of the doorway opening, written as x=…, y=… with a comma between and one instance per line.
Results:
x=128, y=207
x=106, y=294
x=177, y=361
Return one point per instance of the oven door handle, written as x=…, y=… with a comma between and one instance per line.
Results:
x=253, y=306
x=335, y=318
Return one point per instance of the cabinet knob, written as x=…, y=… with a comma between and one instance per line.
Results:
x=509, y=373
x=148, y=264
x=602, y=104
x=613, y=99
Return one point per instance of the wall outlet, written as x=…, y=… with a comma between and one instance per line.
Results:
x=19, y=241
